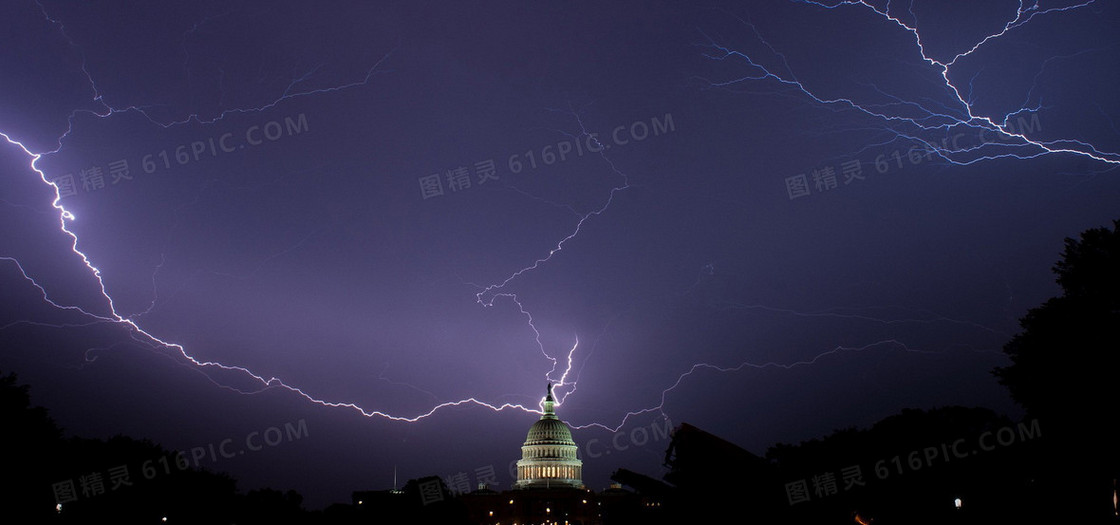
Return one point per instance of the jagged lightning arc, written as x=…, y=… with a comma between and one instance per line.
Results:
x=931, y=120
x=137, y=333
x=489, y=293
x=143, y=337
x=908, y=127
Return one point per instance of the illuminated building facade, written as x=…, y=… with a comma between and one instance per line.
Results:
x=548, y=457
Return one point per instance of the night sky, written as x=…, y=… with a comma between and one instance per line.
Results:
x=767, y=219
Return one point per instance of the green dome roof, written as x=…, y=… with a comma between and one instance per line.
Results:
x=549, y=431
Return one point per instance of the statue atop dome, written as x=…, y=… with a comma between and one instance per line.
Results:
x=549, y=404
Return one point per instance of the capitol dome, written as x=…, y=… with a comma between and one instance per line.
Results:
x=548, y=457
x=549, y=431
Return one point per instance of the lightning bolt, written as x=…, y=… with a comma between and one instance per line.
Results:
x=489, y=293
x=138, y=334
x=900, y=124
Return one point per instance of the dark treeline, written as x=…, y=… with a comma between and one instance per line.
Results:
x=1059, y=464
x=909, y=468
x=122, y=479
x=916, y=461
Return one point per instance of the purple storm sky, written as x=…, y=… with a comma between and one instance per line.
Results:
x=766, y=219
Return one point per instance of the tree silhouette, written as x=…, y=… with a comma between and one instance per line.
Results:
x=158, y=483
x=1064, y=364
x=31, y=439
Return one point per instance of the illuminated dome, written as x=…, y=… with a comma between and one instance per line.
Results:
x=548, y=457
x=550, y=431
